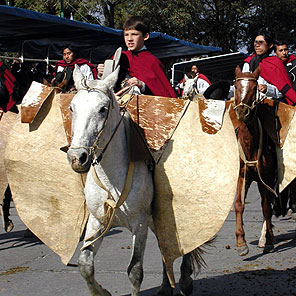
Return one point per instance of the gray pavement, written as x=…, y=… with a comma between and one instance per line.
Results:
x=28, y=267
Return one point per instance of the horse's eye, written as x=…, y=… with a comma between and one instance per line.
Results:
x=103, y=110
x=70, y=108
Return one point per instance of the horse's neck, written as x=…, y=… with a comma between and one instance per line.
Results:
x=113, y=167
x=249, y=138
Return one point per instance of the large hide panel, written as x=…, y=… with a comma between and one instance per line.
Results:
x=7, y=121
x=287, y=156
x=195, y=184
x=48, y=195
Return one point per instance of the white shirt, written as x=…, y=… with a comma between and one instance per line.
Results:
x=85, y=69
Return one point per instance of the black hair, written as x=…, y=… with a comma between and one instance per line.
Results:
x=72, y=48
x=268, y=36
x=279, y=43
x=136, y=23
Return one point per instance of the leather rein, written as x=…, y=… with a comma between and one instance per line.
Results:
x=110, y=205
x=255, y=163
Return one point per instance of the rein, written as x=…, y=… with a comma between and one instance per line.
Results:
x=110, y=205
x=255, y=163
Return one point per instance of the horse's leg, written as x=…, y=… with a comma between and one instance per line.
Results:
x=262, y=239
x=242, y=247
x=185, y=281
x=165, y=287
x=86, y=260
x=292, y=202
x=135, y=267
x=8, y=225
x=266, y=197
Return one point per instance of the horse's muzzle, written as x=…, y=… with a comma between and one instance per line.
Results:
x=242, y=112
x=79, y=159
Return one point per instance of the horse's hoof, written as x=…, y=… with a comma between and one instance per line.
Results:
x=165, y=290
x=186, y=286
x=243, y=250
x=8, y=225
x=293, y=216
x=268, y=249
x=261, y=243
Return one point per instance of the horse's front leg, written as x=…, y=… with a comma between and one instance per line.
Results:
x=267, y=213
x=86, y=260
x=135, y=268
x=242, y=247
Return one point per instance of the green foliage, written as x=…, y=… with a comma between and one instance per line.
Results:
x=228, y=24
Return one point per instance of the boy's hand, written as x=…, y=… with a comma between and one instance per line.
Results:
x=262, y=88
x=135, y=82
x=100, y=68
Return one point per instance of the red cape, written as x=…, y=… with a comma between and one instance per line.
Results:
x=78, y=62
x=290, y=59
x=9, y=82
x=204, y=78
x=147, y=68
x=274, y=72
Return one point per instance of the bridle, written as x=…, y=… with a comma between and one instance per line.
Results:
x=93, y=150
x=258, y=97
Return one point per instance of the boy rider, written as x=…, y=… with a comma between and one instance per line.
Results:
x=138, y=66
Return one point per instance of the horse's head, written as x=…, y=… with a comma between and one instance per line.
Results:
x=190, y=87
x=245, y=98
x=91, y=108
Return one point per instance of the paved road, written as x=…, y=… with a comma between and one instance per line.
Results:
x=29, y=268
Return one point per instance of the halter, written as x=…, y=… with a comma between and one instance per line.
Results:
x=258, y=98
x=92, y=150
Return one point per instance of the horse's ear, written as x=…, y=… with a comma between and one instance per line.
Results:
x=185, y=78
x=77, y=77
x=237, y=70
x=256, y=73
x=111, y=79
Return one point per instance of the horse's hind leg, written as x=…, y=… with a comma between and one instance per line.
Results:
x=165, y=288
x=8, y=224
x=185, y=281
x=267, y=213
x=135, y=268
x=86, y=261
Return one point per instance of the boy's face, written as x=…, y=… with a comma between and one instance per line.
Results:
x=134, y=39
x=68, y=55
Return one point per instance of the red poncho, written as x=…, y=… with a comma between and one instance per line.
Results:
x=9, y=82
x=147, y=68
x=78, y=62
x=274, y=72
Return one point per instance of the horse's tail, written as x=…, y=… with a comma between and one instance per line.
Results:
x=197, y=261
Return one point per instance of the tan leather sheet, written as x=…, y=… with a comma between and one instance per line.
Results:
x=47, y=194
x=33, y=100
x=157, y=118
x=195, y=185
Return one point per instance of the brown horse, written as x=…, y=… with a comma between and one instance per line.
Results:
x=258, y=160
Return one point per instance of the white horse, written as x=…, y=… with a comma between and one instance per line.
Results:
x=193, y=86
x=114, y=185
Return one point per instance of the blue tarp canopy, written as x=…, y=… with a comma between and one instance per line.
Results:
x=38, y=35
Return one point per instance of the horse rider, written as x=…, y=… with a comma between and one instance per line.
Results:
x=139, y=67
x=289, y=60
x=202, y=82
x=273, y=81
x=64, y=69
